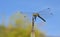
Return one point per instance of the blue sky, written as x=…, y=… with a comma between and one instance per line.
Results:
x=52, y=26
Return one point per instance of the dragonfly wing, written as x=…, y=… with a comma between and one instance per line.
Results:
x=46, y=13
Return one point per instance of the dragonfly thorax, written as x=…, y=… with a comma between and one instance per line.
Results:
x=35, y=14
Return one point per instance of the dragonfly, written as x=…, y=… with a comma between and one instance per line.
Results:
x=43, y=14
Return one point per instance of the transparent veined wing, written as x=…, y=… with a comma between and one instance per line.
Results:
x=46, y=13
x=19, y=19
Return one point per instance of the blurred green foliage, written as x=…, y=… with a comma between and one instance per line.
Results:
x=19, y=26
